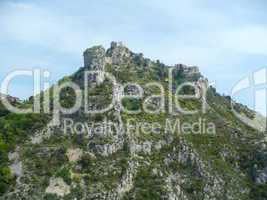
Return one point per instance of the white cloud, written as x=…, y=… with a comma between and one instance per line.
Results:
x=33, y=25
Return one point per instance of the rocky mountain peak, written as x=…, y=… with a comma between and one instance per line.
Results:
x=114, y=155
x=94, y=58
x=10, y=98
x=118, y=53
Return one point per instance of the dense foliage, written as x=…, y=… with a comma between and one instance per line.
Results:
x=14, y=129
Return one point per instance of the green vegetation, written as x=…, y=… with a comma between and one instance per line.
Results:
x=225, y=165
x=15, y=129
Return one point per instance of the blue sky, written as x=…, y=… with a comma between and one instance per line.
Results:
x=226, y=39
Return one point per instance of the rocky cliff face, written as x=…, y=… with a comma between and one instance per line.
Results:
x=10, y=98
x=123, y=163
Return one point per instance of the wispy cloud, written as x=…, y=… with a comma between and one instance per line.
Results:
x=34, y=25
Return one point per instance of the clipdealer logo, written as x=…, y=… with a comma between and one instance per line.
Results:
x=169, y=101
x=255, y=83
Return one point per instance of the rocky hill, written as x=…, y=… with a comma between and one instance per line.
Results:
x=219, y=158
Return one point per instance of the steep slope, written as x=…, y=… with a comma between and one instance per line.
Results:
x=126, y=163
